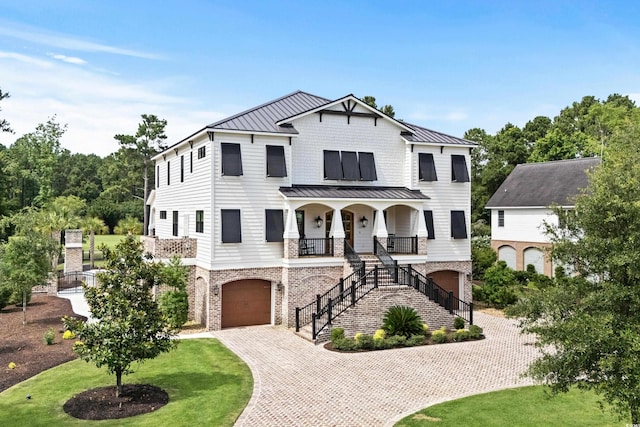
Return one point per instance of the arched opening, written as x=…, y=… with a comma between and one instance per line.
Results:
x=508, y=255
x=449, y=280
x=535, y=257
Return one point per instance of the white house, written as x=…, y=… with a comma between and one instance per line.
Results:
x=251, y=201
x=523, y=203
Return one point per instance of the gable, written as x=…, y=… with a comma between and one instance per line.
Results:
x=544, y=184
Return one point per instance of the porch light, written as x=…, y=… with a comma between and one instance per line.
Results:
x=364, y=221
x=318, y=221
x=216, y=290
x=279, y=287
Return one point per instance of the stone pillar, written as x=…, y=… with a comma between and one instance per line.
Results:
x=291, y=248
x=73, y=251
x=422, y=245
x=338, y=247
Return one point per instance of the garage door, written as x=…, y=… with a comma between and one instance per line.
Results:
x=246, y=302
x=535, y=257
x=447, y=280
x=508, y=255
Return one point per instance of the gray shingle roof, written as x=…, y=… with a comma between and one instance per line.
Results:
x=351, y=192
x=544, y=184
x=421, y=134
x=263, y=118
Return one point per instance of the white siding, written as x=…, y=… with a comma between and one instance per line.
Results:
x=252, y=193
x=522, y=225
x=445, y=196
x=186, y=197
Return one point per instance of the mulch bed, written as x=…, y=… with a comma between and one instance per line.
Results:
x=24, y=345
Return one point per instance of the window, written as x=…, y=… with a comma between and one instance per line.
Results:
x=428, y=218
x=231, y=159
x=459, y=171
x=276, y=165
x=163, y=214
x=202, y=152
x=427, y=168
x=274, y=225
x=191, y=162
x=350, y=168
x=157, y=176
x=175, y=223
x=367, y=167
x=168, y=173
x=458, y=225
x=500, y=218
x=199, y=221
x=231, y=231
x=332, y=165
x=181, y=168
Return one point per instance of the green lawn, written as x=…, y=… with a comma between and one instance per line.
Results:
x=208, y=385
x=523, y=407
x=109, y=239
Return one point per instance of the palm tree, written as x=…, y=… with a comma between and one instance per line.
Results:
x=93, y=225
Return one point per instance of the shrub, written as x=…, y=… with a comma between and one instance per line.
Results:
x=402, y=320
x=344, y=344
x=5, y=296
x=175, y=307
x=425, y=329
x=337, y=334
x=439, y=336
x=397, y=341
x=477, y=293
x=475, y=331
x=12, y=365
x=458, y=323
x=482, y=255
x=461, y=335
x=380, y=334
x=68, y=335
x=381, y=344
x=16, y=297
x=49, y=336
x=415, y=340
x=364, y=342
x=357, y=336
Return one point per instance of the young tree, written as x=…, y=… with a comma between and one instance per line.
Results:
x=588, y=326
x=93, y=225
x=174, y=303
x=148, y=141
x=130, y=326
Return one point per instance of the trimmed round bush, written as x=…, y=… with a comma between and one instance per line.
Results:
x=415, y=340
x=439, y=336
x=461, y=335
x=336, y=334
x=402, y=320
x=364, y=342
x=344, y=344
x=458, y=323
x=475, y=331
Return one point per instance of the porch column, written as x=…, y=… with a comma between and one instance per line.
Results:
x=337, y=232
x=421, y=231
x=291, y=235
x=380, y=228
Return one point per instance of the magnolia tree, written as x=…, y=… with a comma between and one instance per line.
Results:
x=130, y=327
x=588, y=326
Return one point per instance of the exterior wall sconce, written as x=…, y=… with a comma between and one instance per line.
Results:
x=216, y=290
x=279, y=287
x=318, y=221
x=364, y=221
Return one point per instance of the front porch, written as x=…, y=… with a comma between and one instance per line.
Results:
x=325, y=247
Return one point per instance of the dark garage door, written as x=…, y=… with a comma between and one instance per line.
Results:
x=246, y=302
x=447, y=280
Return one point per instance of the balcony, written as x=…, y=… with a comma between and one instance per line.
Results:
x=316, y=247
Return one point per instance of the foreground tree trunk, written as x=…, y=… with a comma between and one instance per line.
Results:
x=92, y=247
x=118, y=382
x=24, y=307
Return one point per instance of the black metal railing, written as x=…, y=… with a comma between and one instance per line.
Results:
x=352, y=256
x=387, y=261
x=315, y=247
x=72, y=282
x=402, y=245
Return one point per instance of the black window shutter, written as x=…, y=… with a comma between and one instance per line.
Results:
x=231, y=229
x=427, y=167
x=459, y=171
x=350, y=169
x=231, y=159
x=428, y=218
x=175, y=223
x=332, y=165
x=276, y=164
x=367, y=167
x=274, y=225
x=458, y=225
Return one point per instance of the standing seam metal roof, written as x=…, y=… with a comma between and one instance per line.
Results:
x=351, y=192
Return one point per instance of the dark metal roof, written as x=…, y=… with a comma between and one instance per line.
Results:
x=544, y=184
x=351, y=192
x=421, y=134
x=263, y=118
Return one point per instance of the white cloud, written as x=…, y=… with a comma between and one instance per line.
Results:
x=64, y=41
x=428, y=114
x=635, y=97
x=95, y=106
x=69, y=59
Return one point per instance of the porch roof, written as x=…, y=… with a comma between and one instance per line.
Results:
x=351, y=192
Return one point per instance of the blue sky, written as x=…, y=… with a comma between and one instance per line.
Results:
x=446, y=65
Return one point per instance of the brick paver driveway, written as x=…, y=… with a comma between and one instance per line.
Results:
x=299, y=384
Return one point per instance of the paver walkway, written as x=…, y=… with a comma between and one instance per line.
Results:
x=300, y=384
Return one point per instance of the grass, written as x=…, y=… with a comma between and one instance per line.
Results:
x=108, y=239
x=206, y=382
x=526, y=406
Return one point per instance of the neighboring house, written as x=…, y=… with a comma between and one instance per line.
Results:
x=523, y=203
x=251, y=201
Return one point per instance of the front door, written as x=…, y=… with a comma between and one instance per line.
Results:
x=347, y=224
